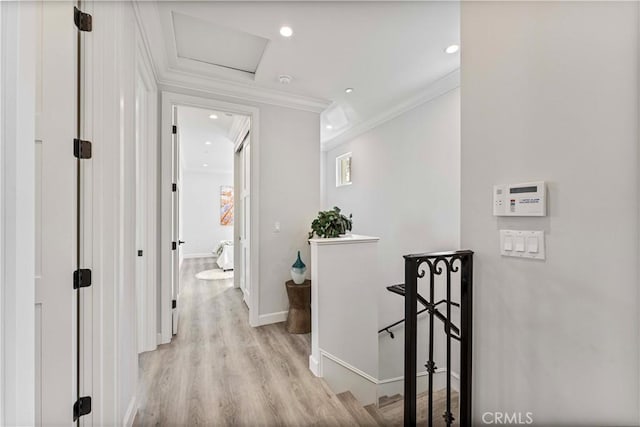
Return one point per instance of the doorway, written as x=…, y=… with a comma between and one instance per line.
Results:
x=206, y=212
x=206, y=215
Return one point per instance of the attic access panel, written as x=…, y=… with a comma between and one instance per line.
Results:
x=214, y=44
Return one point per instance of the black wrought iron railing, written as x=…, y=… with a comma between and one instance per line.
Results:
x=437, y=264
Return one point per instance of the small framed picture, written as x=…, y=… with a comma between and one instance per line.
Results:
x=226, y=205
x=343, y=170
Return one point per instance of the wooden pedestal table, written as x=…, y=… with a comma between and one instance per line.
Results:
x=299, y=316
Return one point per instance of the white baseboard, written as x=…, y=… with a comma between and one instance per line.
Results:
x=349, y=367
x=132, y=410
x=314, y=366
x=163, y=341
x=246, y=297
x=202, y=255
x=341, y=376
x=267, y=319
x=391, y=386
x=356, y=380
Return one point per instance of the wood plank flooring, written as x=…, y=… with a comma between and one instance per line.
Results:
x=220, y=371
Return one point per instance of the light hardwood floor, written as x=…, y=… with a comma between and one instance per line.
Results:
x=220, y=371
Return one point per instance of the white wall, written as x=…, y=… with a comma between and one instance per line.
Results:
x=406, y=190
x=550, y=92
x=289, y=149
x=202, y=231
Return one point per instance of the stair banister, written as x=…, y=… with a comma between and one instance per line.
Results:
x=416, y=267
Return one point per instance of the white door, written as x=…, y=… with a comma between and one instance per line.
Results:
x=245, y=226
x=175, y=223
x=56, y=245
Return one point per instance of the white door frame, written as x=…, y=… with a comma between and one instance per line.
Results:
x=146, y=295
x=17, y=212
x=176, y=205
x=170, y=99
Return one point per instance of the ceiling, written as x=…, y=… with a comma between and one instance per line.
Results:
x=195, y=129
x=386, y=51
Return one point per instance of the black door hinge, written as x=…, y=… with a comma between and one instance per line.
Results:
x=174, y=304
x=81, y=407
x=82, y=20
x=174, y=129
x=139, y=252
x=174, y=246
x=174, y=187
x=81, y=148
x=81, y=278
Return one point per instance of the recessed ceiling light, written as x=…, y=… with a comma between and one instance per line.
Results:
x=286, y=31
x=213, y=116
x=207, y=143
x=205, y=165
x=329, y=127
x=349, y=90
x=452, y=49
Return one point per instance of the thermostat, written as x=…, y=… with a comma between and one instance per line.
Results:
x=527, y=199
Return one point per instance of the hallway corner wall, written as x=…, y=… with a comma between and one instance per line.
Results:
x=550, y=92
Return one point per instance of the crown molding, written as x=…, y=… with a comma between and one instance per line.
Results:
x=180, y=80
x=143, y=42
x=434, y=90
x=171, y=77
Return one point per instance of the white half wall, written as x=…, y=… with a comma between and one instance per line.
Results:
x=202, y=231
x=550, y=92
x=406, y=189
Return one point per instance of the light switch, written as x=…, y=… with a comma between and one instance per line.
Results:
x=508, y=243
x=522, y=244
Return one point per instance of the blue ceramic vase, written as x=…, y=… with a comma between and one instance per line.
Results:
x=297, y=271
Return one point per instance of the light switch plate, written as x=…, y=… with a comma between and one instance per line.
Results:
x=522, y=244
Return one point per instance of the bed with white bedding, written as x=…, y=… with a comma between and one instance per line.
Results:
x=225, y=255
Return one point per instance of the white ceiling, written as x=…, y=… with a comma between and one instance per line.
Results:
x=387, y=51
x=195, y=128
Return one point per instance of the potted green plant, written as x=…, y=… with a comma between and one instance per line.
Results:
x=330, y=223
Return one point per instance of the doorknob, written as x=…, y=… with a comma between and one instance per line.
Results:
x=180, y=242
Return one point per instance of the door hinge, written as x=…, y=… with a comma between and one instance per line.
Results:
x=174, y=304
x=81, y=407
x=81, y=148
x=82, y=20
x=174, y=129
x=139, y=252
x=174, y=187
x=174, y=246
x=81, y=278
